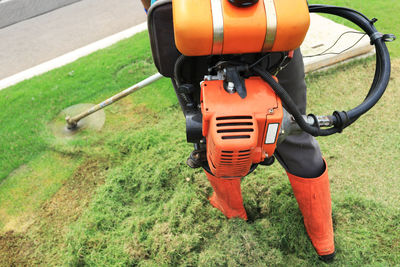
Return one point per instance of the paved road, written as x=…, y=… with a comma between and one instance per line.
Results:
x=37, y=40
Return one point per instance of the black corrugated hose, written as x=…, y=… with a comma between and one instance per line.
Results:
x=381, y=79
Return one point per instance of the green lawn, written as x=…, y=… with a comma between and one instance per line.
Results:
x=124, y=196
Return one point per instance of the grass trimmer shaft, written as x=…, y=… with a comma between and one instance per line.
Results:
x=72, y=122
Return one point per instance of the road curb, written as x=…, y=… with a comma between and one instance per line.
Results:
x=71, y=56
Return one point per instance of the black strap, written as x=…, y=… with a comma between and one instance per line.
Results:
x=385, y=37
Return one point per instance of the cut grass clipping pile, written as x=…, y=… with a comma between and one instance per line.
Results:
x=124, y=195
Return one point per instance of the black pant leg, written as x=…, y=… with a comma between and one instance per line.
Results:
x=298, y=154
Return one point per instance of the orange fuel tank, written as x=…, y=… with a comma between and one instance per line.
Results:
x=214, y=27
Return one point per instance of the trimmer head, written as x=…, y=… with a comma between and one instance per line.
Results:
x=94, y=121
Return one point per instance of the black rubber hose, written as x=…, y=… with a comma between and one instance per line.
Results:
x=183, y=98
x=178, y=70
x=289, y=103
x=383, y=68
x=378, y=87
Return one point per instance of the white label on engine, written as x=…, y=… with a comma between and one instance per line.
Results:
x=271, y=133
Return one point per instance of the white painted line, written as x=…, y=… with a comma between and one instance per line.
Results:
x=71, y=56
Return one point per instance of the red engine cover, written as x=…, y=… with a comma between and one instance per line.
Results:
x=239, y=132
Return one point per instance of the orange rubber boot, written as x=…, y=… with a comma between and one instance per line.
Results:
x=314, y=199
x=227, y=196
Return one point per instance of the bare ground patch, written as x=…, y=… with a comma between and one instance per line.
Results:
x=14, y=249
x=52, y=220
x=44, y=231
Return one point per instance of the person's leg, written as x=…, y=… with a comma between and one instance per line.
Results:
x=301, y=157
x=298, y=154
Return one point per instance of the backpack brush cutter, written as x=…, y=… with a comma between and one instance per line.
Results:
x=241, y=112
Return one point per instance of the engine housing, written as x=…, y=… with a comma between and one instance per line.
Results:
x=239, y=132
